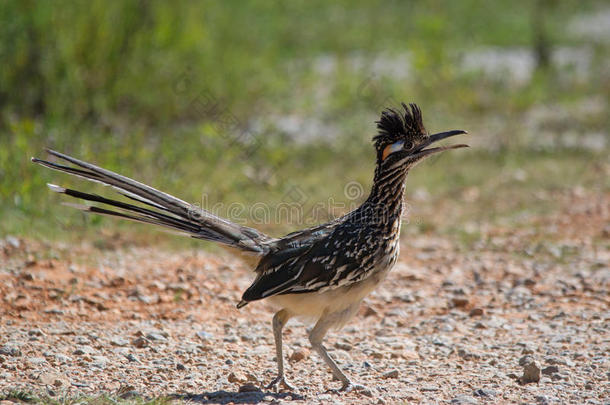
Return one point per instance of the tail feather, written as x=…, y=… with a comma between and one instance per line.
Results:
x=169, y=211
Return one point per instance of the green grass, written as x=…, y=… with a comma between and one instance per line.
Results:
x=131, y=86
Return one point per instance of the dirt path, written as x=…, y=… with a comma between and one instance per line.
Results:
x=449, y=324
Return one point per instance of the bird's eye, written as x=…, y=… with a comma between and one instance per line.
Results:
x=408, y=145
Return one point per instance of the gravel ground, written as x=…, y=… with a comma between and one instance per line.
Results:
x=523, y=316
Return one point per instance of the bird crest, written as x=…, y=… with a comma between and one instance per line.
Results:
x=396, y=125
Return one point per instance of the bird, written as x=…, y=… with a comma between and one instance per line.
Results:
x=320, y=274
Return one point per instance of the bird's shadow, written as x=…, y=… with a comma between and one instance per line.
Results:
x=235, y=397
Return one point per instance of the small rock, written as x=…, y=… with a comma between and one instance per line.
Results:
x=132, y=357
x=550, y=370
x=391, y=374
x=35, y=332
x=369, y=312
x=62, y=358
x=377, y=355
x=99, y=361
x=37, y=361
x=156, y=337
x=525, y=360
x=203, y=335
x=54, y=379
x=236, y=378
x=140, y=342
x=127, y=391
x=556, y=377
x=251, y=377
x=476, y=312
x=459, y=301
x=299, y=355
x=53, y=311
x=249, y=388
x=558, y=360
x=343, y=346
x=10, y=350
x=84, y=350
x=466, y=355
x=409, y=355
x=119, y=341
x=531, y=370
x=484, y=393
x=464, y=400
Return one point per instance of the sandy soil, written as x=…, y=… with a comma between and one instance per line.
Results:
x=522, y=317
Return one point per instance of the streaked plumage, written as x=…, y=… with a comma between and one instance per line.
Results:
x=322, y=272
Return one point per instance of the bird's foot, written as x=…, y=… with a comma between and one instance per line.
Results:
x=353, y=387
x=278, y=381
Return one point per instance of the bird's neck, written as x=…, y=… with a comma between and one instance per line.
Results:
x=386, y=197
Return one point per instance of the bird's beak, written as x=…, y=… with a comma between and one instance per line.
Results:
x=421, y=151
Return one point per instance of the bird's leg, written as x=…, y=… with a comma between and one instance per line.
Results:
x=279, y=320
x=315, y=338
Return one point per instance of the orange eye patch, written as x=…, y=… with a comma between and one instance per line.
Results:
x=394, y=147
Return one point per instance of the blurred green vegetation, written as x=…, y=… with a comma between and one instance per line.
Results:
x=204, y=97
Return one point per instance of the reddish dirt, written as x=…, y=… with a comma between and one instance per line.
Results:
x=494, y=302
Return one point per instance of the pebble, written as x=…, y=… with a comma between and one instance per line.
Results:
x=459, y=301
x=391, y=374
x=550, y=370
x=99, y=361
x=35, y=332
x=84, y=350
x=53, y=311
x=10, y=350
x=205, y=336
x=298, y=355
x=531, y=370
x=37, y=361
x=156, y=337
x=464, y=400
x=476, y=312
x=248, y=388
x=343, y=346
x=140, y=342
x=119, y=341
x=132, y=357
x=62, y=358
x=54, y=379
x=484, y=393
x=236, y=378
x=558, y=360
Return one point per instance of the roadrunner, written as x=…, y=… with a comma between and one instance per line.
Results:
x=321, y=273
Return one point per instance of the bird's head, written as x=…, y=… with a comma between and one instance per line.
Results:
x=403, y=140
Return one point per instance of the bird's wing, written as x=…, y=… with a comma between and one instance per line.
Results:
x=327, y=263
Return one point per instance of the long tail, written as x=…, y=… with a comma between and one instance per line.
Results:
x=167, y=211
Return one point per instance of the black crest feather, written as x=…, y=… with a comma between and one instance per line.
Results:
x=394, y=125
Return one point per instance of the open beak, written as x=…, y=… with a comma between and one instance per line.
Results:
x=421, y=151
